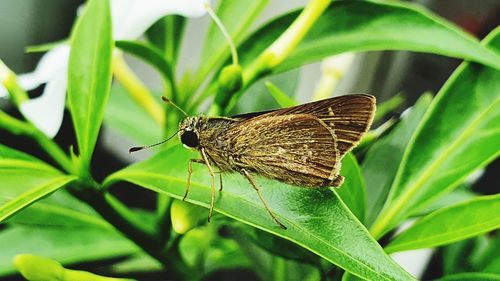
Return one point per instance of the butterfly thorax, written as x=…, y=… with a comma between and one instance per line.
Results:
x=209, y=133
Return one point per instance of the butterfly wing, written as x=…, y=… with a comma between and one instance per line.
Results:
x=349, y=117
x=297, y=148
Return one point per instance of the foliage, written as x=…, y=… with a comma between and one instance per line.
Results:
x=412, y=171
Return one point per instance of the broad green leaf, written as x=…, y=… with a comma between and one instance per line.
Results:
x=207, y=252
x=457, y=136
x=456, y=196
x=24, y=180
x=139, y=262
x=151, y=55
x=357, y=26
x=456, y=257
x=166, y=35
x=489, y=260
x=89, y=75
x=368, y=26
x=129, y=119
x=274, y=244
x=349, y=277
x=60, y=210
x=353, y=191
x=316, y=218
x=269, y=266
x=257, y=97
x=237, y=17
x=447, y=225
x=58, y=216
x=471, y=276
x=66, y=245
x=279, y=96
x=382, y=160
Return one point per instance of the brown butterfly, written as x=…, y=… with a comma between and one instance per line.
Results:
x=301, y=145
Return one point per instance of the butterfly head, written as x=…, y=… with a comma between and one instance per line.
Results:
x=189, y=131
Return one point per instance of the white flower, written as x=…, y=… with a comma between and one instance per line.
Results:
x=4, y=75
x=130, y=19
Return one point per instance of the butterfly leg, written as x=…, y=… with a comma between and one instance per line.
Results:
x=190, y=171
x=212, y=174
x=256, y=187
x=337, y=182
x=220, y=179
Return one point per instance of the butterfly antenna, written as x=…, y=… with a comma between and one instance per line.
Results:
x=137, y=148
x=167, y=101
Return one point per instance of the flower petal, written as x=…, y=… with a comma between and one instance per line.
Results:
x=4, y=75
x=46, y=112
x=49, y=65
x=131, y=18
x=3, y=91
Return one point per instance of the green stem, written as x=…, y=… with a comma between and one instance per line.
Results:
x=8, y=79
x=163, y=221
x=113, y=211
x=287, y=42
x=137, y=90
x=282, y=47
x=19, y=127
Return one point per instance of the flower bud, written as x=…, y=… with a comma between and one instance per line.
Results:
x=230, y=81
x=185, y=216
x=38, y=268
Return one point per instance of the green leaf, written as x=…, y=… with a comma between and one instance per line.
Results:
x=24, y=180
x=447, y=225
x=359, y=26
x=388, y=106
x=489, y=260
x=279, y=96
x=42, y=228
x=456, y=257
x=151, y=55
x=456, y=196
x=274, y=244
x=66, y=245
x=59, y=210
x=166, y=35
x=129, y=119
x=257, y=97
x=89, y=75
x=268, y=266
x=386, y=154
x=471, y=276
x=353, y=191
x=457, y=136
x=207, y=252
x=316, y=218
x=237, y=17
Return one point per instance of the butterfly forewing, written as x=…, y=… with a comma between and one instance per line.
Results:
x=348, y=116
x=304, y=144
x=296, y=148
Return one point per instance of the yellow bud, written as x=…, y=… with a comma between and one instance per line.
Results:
x=185, y=216
x=38, y=268
x=230, y=81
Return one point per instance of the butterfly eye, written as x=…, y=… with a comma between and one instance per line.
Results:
x=190, y=138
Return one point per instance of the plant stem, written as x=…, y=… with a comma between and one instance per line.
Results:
x=282, y=47
x=113, y=211
x=19, y=127
x=287, y=42
x=137, y=90
x=8, y=79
